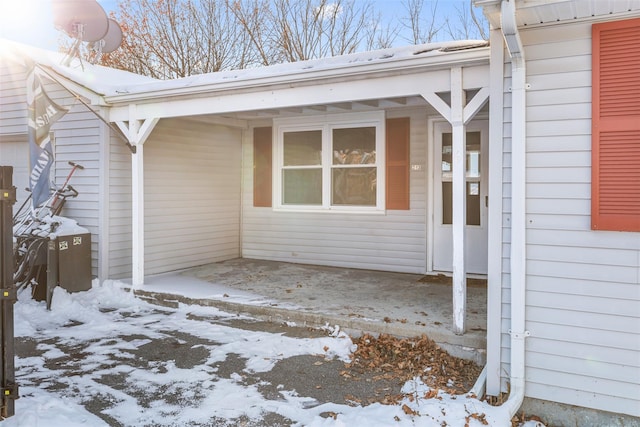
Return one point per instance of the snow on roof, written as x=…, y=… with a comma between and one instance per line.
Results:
x=97, y=78
x=338, y=64
x=112, y=82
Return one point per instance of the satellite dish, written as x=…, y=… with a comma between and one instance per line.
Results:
x=84, y=20
x=113, y=38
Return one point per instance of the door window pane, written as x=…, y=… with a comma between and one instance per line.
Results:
x=302, y=186
x=472, y=178
x=473, y=203
x=303, y=148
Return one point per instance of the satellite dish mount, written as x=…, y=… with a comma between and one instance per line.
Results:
x=86, y=21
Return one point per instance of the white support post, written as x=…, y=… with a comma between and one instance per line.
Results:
x=459, y=217
x=137, y=205
x=137, y=132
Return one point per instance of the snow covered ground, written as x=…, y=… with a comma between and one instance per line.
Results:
x=114, y=324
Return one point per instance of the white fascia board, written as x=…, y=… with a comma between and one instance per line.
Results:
x=273, y=98
x=347, y=71
x=290, y=93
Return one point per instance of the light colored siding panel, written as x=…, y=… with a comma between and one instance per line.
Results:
x=591, y=320
x=620, y=357
x=556, y=190
x=395, y=241
x=13, y=98
x=583, y=287
x=192, y=170
x=119, y=196
x=552, y=387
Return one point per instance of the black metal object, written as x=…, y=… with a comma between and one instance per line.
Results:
x=8, y=386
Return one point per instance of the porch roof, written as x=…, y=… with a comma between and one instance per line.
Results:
x=400, y=60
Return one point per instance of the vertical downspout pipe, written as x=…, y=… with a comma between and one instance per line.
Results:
x=518, y=212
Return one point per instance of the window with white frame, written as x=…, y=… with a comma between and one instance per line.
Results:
x=331, y=162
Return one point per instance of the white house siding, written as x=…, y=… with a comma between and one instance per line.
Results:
x=13, y=125
x=583, y=289
x=77, y=136
x=118, y=220
x=395, y=241
x=77, y=139
x=192, y=174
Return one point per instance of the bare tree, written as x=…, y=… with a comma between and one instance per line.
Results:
x=423, y=25
x=379, y=35
x=307, y=29
x=178, y=38
x=466, y=24
x=254, y=17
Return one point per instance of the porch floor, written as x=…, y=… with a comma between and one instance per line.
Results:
x=399, y=304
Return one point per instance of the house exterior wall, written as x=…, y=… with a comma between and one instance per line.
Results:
x=582, y=286
x=393, y=241
x=13, y=126
x=192, y=177
x=76, y=138
x=118, y=218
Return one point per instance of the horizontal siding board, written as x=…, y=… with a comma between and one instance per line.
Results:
x=574, y=396
x=590, y=373
x=584, y=288
x=549, y=113
x=558, y=332
x=587, y=238
x=606, y=273
x=559, y=159
x=564, y=348
x=560, y=128
x=565, y=174
x=583, y=255
x=558, y=206
x=557, y=190
x=562, y=96
x=585, y=319
x=543, y=82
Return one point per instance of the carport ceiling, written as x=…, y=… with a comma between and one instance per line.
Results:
x=342, y=107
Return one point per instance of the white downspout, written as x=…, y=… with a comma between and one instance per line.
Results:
x=518, y=212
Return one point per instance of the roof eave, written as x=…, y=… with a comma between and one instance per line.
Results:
x=473, y=56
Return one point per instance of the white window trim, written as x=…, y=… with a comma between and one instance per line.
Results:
x=326, y=123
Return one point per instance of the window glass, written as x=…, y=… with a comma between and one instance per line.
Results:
x=303, y=148
x=354, y=186
x=302, y=186
x=331, y=162
x=354, y=146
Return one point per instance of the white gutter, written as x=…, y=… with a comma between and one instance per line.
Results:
x=518, y=219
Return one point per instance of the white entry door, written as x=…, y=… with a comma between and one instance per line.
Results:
x=477, y=201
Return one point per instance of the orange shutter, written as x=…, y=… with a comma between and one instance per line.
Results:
x=262, y=162
x=397, y=163
x=615, y=168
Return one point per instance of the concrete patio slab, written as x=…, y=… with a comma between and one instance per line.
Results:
x=399, y=304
